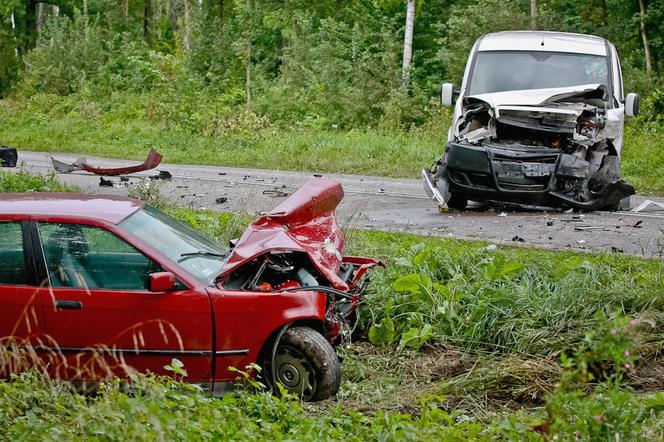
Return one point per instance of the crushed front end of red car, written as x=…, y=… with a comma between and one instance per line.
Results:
x=299, y=246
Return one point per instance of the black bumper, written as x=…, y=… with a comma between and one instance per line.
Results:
x=523, y=175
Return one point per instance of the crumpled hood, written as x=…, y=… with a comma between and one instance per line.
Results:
x=594, y=94
x=305, y=222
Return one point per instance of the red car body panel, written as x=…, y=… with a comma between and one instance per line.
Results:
x=151, y=161
x=210, y=329
x=305, y=222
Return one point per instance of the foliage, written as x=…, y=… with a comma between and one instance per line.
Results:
x=161, y=408
x=588, y=403
x=148, y=190
x=504, y=300
x=323, y=64
x=23, y=181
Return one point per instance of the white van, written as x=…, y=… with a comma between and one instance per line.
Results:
x=538, y=121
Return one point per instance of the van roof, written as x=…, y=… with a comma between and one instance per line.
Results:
x=543, y=41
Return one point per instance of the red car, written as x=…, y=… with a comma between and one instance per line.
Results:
x=96, y=286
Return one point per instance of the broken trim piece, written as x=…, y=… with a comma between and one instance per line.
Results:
x=153, y=160
x=8, y=156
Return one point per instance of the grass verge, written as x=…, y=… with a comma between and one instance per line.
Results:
x=126, y=126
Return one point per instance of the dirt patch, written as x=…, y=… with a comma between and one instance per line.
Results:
x=649, y=378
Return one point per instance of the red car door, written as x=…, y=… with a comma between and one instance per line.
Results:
x=102, y=319
x=22, y=323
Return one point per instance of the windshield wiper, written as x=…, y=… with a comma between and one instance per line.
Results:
x=186, y=256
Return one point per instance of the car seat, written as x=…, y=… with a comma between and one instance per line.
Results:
x=66, y=251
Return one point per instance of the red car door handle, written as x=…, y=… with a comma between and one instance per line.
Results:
x=69, y=305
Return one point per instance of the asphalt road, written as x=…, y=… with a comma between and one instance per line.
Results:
x=386, y=204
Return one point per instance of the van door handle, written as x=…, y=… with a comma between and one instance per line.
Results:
x=69, y=305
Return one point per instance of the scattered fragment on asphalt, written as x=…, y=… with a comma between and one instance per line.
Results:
x=8, y=156
x=581, y=241
x=615, y=249
x=646, y=205
x=503, y=214
x=589, y=228
x=517, y=238
x=549, y=223
x=317, y=175
x=221, y=173
x=105, y=183
x=163, y=175
x=221, y=200
x=275, y=193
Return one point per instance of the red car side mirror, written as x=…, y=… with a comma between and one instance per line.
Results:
x=161, y=282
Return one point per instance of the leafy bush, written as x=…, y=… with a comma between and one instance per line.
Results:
x=161, y=408
x=23, y=181
x=507, y=301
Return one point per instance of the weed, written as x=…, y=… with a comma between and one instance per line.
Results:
x=149, y=191
x=23, y=181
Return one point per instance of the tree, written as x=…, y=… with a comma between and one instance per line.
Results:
x=147, y=22
x=644, y=36
x=408, y=43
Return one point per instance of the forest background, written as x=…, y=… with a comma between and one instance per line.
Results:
x=329, y=86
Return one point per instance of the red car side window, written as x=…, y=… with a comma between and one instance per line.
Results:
x=79, y=256
x=12, y=257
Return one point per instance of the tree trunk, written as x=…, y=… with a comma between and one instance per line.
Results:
x=644, y=36
x=533, y=15
x=408, y=43
x=41, y=13
x=247, y=65
x=147, y=22
x=16, y=44
x=30, y=24
x=186, y=38
x=173, y=17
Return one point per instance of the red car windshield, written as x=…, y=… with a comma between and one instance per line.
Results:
x=183, y=245
x=499, y=71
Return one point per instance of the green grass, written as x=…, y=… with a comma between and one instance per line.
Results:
x=22, y=181
x=126, y=126
x=57, y=124
x=643, y=157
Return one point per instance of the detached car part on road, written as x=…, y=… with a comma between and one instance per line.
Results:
x=538, y=121
x=151, y=161
x=92, y=287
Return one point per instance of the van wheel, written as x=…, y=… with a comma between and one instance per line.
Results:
x=457, y=201
x=307, y=365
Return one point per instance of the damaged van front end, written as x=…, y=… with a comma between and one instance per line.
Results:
x=551, y=147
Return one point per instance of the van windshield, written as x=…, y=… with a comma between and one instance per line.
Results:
x=498, y=71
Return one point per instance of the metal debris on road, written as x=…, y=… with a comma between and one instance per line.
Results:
x=646, y=204
x=275, y=193
x=163, y=175
x=153, y=159
x=8, y=156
